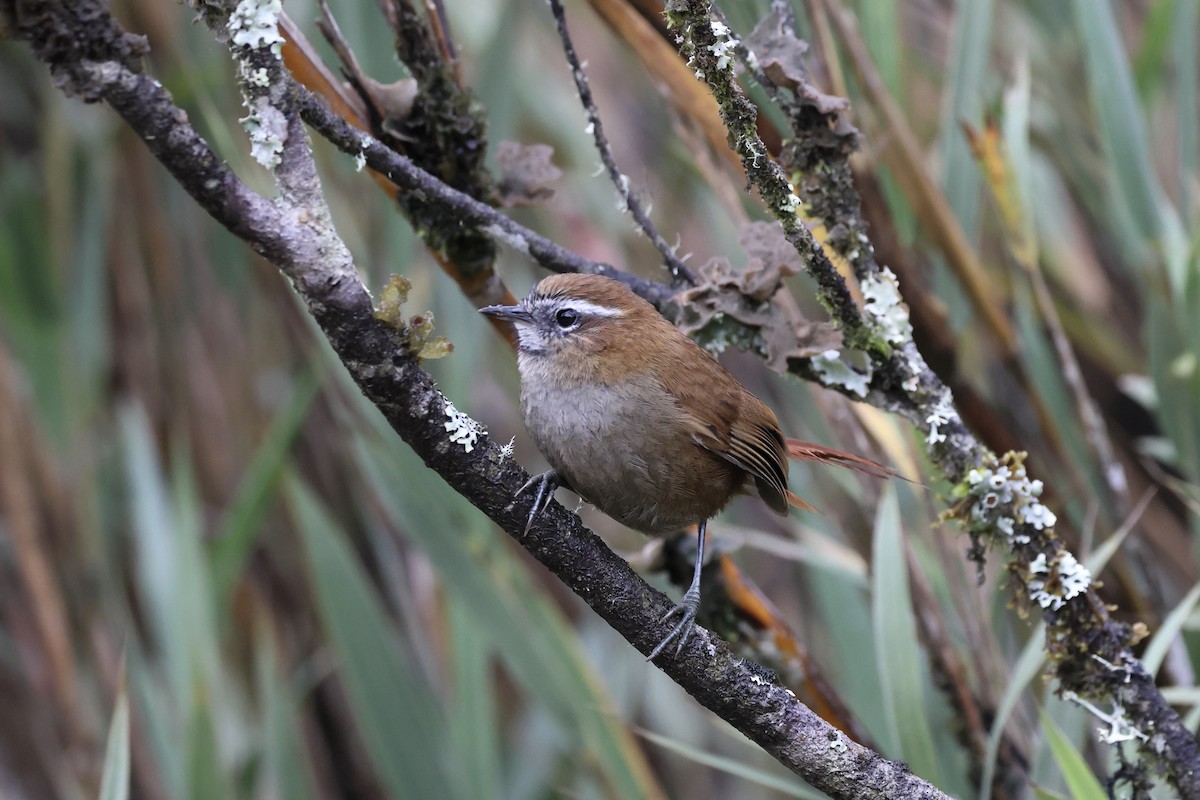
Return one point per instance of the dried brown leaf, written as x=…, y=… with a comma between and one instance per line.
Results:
x=745, y=295
x=781, y=55
x=526, y=173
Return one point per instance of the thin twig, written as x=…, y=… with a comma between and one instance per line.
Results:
x=440, y=24
x=468, y=211
x=680, y=274
x=1112, y=472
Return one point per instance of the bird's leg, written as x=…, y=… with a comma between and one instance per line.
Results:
x=547, y=482
x=688, y=606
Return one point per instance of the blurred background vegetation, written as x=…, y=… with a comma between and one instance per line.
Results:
x=212, y=546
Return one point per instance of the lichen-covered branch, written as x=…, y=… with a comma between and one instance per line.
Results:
x=996, y=501
x=296, y=234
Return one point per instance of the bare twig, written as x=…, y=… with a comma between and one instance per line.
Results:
x=467, y=210
x=680, y=274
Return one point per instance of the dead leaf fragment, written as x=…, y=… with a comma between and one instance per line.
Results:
x=745, y=295
x=526, y=173
x=391, y=299
x=781, y=55
x=419, y=330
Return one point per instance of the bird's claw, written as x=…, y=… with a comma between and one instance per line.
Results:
x=547, y=482
x=686, y=610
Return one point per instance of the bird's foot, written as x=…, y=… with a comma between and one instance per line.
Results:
x=547, y=482
x=686, y=611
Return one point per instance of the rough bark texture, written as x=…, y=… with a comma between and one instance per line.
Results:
x=1090, y=652
x=90, y=56
x=295, y=233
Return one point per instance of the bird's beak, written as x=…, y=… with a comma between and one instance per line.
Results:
x=510, y=313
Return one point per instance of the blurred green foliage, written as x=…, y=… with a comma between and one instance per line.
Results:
x=224, y=576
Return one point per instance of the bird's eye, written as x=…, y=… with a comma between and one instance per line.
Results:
x=566, y=317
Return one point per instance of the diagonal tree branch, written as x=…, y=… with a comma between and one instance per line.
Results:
x=997, y=501
x=409, y=177
x=296, y=234
x=89, y=55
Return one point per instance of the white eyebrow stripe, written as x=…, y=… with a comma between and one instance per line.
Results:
x=586, y=307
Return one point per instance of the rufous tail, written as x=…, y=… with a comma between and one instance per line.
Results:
x=807, y=451
x=795, y=501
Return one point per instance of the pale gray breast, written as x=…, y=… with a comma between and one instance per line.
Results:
x=608, y=444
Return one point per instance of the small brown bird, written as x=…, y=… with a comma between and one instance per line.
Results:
x=641, y=421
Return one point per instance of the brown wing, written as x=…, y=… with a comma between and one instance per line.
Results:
x=724, y=417
x=728, y=421
x=756, y=450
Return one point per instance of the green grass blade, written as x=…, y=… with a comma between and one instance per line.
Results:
x=1027, y=667
x=114, y=781
x=286, y=772
x=1171, y=362
x=242, y=522
x=401, y=728
x=1121, y=118
x=159, y=713
x=1185, y=25
x=1119, y=111
x=963, y=101
x=1080, y=780
x=205, y=775
x=1149, y=64
x=158, y=547
x=785, y=787
x=1156, y=651
x=882, y=31
x=1044, y=367
x=473, y=720
x=896, y=643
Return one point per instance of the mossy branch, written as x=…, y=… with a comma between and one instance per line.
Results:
x=1090, y=652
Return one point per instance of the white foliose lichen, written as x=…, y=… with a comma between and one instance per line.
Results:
x=506, y=450
x=942, y=414
x=834, y=371
x=881, y=294
x=1005, y=495
x=360, y=160
x=915, y=366
x=255, y=23
x=1053, y=582
x=1037, y=515
x=723, y=47
x=267, y=128
x=462, y=429
x=1118, y=729
x=258, y=77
